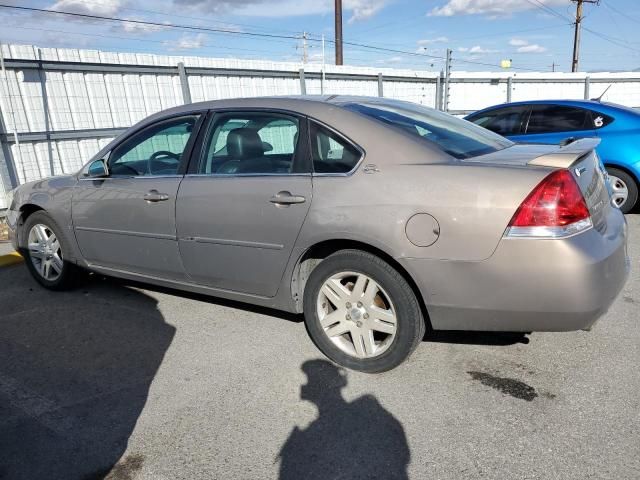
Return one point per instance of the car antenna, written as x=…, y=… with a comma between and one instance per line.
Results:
x=599, y=99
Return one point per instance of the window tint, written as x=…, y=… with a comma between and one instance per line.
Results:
x=250, y=143
x=156, y=150
x=503, y=121
x=458, y=138
x=556, y=118
x=330, y=152
x=600, y=120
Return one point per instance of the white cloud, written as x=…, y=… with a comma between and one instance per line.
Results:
x=518, y=42
x=429, y=41
x=99, y=7
x=358, y=9
x=187, y=42
x=533, y=48
x=133, y=27
x=477, y=49
x=488, y=7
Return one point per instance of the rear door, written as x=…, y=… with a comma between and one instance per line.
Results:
x=555, y=123
x=241, y=207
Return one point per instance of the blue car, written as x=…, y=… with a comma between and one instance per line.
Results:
x=552, y=121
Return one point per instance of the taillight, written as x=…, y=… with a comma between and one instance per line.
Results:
x=554, y=209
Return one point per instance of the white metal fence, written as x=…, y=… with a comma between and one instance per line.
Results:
x=59, y=106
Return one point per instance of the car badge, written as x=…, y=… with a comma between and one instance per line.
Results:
x=580, y=170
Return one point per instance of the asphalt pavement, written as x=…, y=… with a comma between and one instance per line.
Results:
x=117, y=381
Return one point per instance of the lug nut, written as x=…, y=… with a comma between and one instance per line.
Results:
x=365, y=316
x=359, y=304
x=359, y=324
x=348, y=317
x=348, y=305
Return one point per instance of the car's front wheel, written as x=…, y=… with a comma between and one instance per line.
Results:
x=625, y=189
x=44, y=249
x=362, y=313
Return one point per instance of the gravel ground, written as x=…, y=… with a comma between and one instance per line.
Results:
x=119, y=381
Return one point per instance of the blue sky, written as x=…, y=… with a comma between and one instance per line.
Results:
x=534, y=34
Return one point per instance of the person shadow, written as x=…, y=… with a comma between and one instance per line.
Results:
x=348, y=440
x=75, y=373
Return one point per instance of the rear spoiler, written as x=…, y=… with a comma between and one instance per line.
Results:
x=567, y=155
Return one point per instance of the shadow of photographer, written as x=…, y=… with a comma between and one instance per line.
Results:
x=348, y=440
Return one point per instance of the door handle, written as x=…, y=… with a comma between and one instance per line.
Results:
x=285, y=199
x=155, y=196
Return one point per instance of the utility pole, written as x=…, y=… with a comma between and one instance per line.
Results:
x=576, y=37
x=553, y=66
x=305, y=54
x=447, y=77
x=338, y=31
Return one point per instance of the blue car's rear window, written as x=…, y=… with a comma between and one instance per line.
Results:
x=458, y=138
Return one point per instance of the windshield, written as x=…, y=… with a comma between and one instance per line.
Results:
x=458, y=138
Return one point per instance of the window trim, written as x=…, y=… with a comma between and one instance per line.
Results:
x=524, y=118
x=300, y=156
x=186, y=155
x=342, y=136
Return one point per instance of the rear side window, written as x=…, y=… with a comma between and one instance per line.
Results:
x=558, y=118
x=600, y=119
x=456, y=137
x=330, y=152
x=503, y=121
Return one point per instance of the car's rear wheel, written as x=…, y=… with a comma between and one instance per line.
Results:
x=625, y=189
x=45, y=250
x=362, y=313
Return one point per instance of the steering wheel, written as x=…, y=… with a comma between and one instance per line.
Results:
x=171, y=157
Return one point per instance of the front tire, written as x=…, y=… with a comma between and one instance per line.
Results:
x=45, y=250
x=361, y=313
x=625, y=189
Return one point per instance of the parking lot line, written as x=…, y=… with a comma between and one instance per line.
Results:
x=10, y=259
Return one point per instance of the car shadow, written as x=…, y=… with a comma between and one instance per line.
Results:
x=463, y=337
x=355, y=440
x=75, y=373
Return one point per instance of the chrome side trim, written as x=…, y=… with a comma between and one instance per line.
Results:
x=235, y=175
x=235, y=243
x=121, y=177
x=159, y=236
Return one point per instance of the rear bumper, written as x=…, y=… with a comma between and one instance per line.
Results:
x=528, y=284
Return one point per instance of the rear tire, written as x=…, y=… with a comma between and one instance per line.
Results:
x=625, y=189
x=361, y=313
x=46, y=250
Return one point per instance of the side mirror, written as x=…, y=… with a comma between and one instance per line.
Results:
x=98, y=169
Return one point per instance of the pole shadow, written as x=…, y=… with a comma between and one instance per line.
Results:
x=75, y=372
x=348, y=440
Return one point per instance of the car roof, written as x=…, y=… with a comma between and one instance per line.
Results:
x=603, y=107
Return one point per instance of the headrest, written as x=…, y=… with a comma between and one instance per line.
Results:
x=244, y=143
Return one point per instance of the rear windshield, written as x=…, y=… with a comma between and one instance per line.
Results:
x=458, y=138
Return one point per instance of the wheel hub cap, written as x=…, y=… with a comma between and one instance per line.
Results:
x=45, y=252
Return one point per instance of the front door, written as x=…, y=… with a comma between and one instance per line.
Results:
x=126, y=221
x=240, y=210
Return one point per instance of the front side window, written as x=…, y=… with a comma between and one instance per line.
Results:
x=456, y=137
x=503, y=121
x=558, y=118
x=156, y=150
x=330, y=152
x=251, y=143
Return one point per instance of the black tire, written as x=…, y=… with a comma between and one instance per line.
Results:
x=70, y=272
x=632, y=188
x=410, y=322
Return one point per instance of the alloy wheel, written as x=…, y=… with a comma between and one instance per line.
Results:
x=45, y=252
x=356, y=314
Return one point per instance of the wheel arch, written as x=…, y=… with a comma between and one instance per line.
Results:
x=624, y=168
x=26, y=210
x=315, y=254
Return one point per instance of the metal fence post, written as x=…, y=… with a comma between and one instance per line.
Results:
x=380, y=90
x=509, y=88
x=587, y=87
x=5, y=151
x=438, y=91
x=184, y=83
x=303, y=83
x=42, y=76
